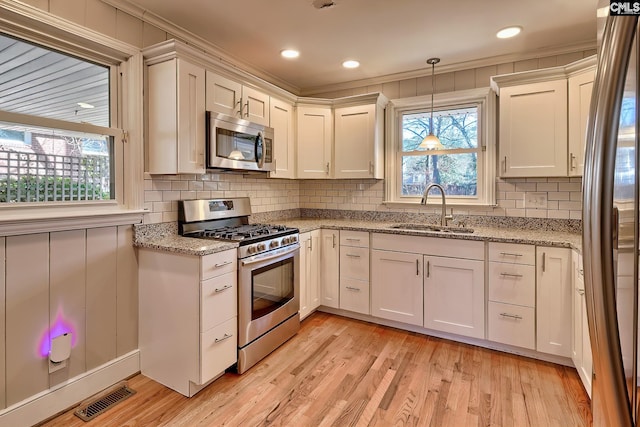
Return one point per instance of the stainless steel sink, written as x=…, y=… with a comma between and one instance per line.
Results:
x=435, y=228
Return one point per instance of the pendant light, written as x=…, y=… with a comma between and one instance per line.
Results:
x=432, y=142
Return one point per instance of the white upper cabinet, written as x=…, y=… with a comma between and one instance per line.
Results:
x=533, y=129
x=282, y=120
x=314, y=141
x=580, y=88
x=234, y=99
x=358, y=141
x=542, y=121
x=341, y=138
x=176, y=117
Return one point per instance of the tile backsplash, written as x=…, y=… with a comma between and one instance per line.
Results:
x=561, y=198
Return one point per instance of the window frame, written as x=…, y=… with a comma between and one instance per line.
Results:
x=125, y=63
x=485, y=100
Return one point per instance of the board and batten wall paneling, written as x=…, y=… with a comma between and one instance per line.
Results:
x=101, y=299
x=3, y=374
x=127, y=292
x=67, y=284
x=27, y=315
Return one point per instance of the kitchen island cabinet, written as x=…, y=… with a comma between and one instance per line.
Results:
x=188, y=317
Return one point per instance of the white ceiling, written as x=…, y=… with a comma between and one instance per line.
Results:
x=386, y=36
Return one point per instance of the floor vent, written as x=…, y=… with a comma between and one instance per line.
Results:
x=99, y=403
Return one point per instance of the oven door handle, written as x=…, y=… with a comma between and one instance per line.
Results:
x=270, y=255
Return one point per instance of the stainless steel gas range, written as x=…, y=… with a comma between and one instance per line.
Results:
x=268, y=265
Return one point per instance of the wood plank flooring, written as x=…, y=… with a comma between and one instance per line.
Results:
x=343, y=372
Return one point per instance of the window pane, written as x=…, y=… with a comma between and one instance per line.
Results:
x=457, y=173
x=457, y=128
x=44, y=83
x=38, y=165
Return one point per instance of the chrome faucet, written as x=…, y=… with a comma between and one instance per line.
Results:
x=443, y=217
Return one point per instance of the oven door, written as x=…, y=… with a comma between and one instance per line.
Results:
x=268, y=291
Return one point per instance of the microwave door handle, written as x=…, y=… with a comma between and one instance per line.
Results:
x=270, y=255
x=259, y=150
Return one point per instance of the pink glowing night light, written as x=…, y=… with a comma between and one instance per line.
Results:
x=60, y=326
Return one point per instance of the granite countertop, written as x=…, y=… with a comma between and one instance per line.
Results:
x=164, y=236
x=490, y=234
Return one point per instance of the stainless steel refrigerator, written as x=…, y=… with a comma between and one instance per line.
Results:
x=610, y=222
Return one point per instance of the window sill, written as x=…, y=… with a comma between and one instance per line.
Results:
x=435, y=203
x=16, y=220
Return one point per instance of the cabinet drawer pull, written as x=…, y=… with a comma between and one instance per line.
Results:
x=417, y=267
x=351, y=288
x=428, y=268
x=222, y=264
x=510, y=275
x=510, y=254
x=353, y=255
x=225, y=337
x=333, y=240
x=222, y=289
x=350, y=239
x=511, y=316
x=544, y=262
x=572, y=163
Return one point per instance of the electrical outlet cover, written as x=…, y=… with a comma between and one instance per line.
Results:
x=535, y=201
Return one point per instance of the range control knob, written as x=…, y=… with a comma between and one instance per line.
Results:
x=274, y=244
x=286, y=240
x=252, y=249
x=294, y=239
x=262, y=246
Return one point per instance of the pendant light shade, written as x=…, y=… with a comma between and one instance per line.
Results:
x=432, y=142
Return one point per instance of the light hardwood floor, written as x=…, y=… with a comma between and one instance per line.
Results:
x=343, y=372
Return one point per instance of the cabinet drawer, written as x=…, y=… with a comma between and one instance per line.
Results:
x=354, y=238
x=513, y=253
x=512, y=283
x=218, y=350
x=218, y=264
x=512, y=324
x=354, y=263
x=354, y=295
x=218, y=301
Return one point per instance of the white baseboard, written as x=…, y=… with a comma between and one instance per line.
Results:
x=64, y=396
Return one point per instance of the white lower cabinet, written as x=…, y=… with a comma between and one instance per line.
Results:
x=454, y=295
x=581, y=344
x=396, y=286
x=354, y=271
x=330, y=268
x=188, y=317
x=309, y=272
x=511, y=304
x=554, y=300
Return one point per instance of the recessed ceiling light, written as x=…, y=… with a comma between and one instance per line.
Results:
x=508, y=32
x=351, y=63
x=85, y=105
x=289, y=53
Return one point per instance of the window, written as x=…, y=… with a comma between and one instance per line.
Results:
x=464, y=165
x=56, y=143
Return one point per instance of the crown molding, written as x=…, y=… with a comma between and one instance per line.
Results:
x=449, y=68
x=200, y=43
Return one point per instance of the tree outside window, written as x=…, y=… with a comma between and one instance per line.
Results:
x=455, y=167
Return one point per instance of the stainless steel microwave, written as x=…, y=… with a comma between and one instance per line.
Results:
x=234, y=143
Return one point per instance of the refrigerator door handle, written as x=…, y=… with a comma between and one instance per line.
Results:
x=598, y=219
